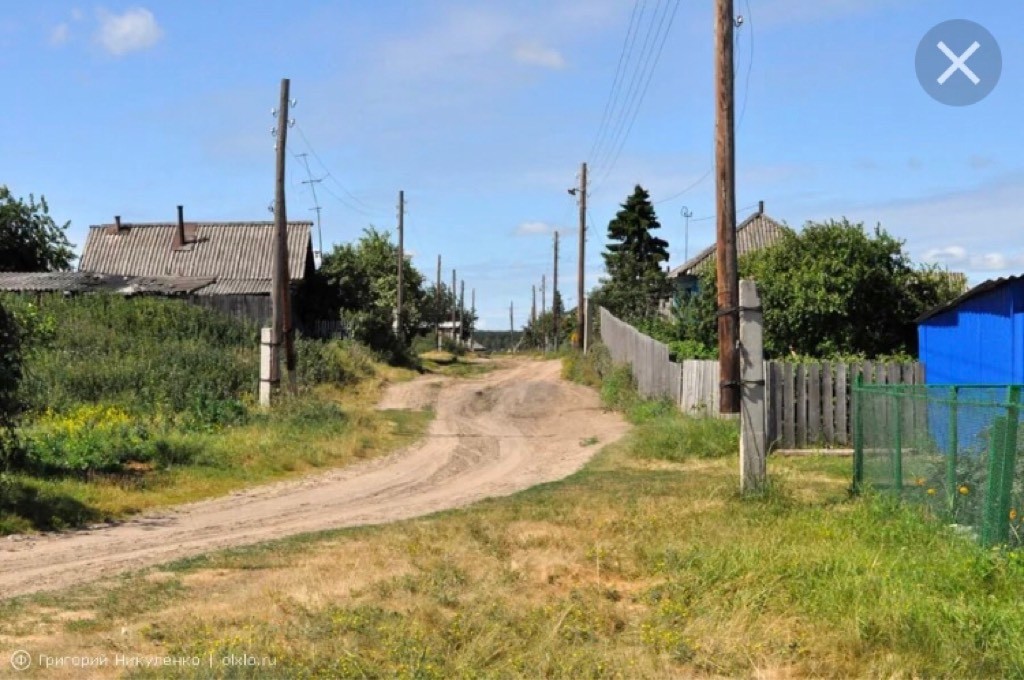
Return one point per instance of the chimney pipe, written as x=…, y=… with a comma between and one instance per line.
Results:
x=117, y=223
x=181, y=226
x=760, y=207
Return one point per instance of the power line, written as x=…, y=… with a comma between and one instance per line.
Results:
x=625, y=54
x=650, y=65
x=316, y=203
x=739, y=124
x=356, y=204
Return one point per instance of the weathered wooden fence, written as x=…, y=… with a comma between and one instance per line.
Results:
x=808, y=404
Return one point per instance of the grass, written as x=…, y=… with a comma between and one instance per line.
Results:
x=446, y=363
x=634, y=567
x=330, y=428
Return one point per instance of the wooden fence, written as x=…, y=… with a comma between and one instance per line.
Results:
x=808, y=404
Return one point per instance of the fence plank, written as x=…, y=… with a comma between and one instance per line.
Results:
x=801, y=405
x=842, y=402
x=828, y=405
x=789, y=409
x=814, y=404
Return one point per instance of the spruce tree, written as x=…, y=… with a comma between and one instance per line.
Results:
x=635, y=281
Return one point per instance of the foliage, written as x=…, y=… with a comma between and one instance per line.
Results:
x=11, y=403
x=829, y=291
x=635, y=283
x=338, y=362
x=88, y=438
x=363, y=282
x=30, y=241
x=144, y=355
x=540, y=332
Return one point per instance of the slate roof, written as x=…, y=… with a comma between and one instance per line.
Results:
x=754, y=233
x=238, y=255
x=84, y=282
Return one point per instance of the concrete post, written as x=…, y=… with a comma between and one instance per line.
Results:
x=753, y=435
x=266, y=359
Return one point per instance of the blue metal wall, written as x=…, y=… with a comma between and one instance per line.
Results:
x=980, y=341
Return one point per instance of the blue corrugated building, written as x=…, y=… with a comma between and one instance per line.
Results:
x=978, y=338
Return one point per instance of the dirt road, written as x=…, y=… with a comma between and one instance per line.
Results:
x=508, y=430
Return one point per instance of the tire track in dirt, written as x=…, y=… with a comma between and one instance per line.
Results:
x=516, y=427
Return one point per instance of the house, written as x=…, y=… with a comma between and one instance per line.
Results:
x=754, y=233
x=236, y=258
x=977, y=338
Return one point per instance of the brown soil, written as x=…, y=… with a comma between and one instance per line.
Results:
x=494, y=435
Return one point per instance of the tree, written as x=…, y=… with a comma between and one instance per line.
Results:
x=30, y=241
x=831, y=290
x=10, y=377
x=362, y=280
x=635, y=282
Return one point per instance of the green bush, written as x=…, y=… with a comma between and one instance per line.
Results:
x=89, y=438
x=341, y=362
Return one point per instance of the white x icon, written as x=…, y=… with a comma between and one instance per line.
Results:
x=959, y=63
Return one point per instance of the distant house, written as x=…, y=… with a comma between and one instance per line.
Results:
x=976, y=339
x=755, y=233
x=235, y=257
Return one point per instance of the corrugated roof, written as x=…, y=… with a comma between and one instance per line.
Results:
x=980, y=289
x=84, y=282
x=221, y=250
x=754, y=233
x=237, y=287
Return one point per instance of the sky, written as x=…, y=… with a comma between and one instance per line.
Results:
x=482, y=111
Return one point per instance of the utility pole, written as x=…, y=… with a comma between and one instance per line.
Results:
x=533, y=306
x=725, y=180
x=544, y=304
x=554, y=295
x=581, y=318
x=316, y=204
x=472, y=315
x=437, y=305
x=454, y=304
x=401, y=263
x=511, y=329
x=280, y=299
x=462, y=308
x=687, y=214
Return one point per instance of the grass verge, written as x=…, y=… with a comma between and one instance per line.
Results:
x=631, y=568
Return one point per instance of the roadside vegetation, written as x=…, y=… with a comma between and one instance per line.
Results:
x=127, y=404
x=647, y=563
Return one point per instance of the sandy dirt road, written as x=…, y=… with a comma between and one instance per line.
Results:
x=494, y=435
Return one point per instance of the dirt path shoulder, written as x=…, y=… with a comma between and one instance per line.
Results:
x=508, y=430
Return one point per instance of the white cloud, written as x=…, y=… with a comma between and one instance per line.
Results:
x=533, y=228
x=534, y=54
x=60, y=34
x=134, y=30
x=950, y=255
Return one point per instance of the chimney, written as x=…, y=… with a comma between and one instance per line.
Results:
x=760, y=207
x=115, y=228
x=180, y=241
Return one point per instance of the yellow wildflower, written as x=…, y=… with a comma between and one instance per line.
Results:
x=931, y=492
x=964, y=490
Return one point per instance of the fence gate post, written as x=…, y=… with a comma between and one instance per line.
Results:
x=954, y=445
x=753, y=439
x=858, y=431
x=1001, y=468
x=897, y=444
x=266, y=357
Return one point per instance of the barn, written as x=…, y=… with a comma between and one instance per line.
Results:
x=977, y=338
x=235, y=257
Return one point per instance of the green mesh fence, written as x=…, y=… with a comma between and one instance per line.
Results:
x=952, y=448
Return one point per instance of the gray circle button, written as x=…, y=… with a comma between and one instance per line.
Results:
x=958, y=62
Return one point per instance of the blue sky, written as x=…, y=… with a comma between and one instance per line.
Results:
x=483, y=111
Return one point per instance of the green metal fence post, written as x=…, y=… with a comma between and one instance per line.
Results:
x=858, y=432
x=954, y=444
x=1001, y=464
x=897, y=444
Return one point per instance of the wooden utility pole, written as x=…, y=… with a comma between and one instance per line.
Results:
x=511, y=329
x=280, y=300
x=455, y=304
x=437, y=304
x=533, y=306
x=401, y=263
x=472, y=315
x=554, y=295
x=580, y=309
x=462, y=308
x=725, y=180
x=544, y=304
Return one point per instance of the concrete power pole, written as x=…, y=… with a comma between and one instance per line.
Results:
x=437, y=305
x=280, y=299
x=725, y=180
x=554, y=296
x=401, y=263
x=581, y=318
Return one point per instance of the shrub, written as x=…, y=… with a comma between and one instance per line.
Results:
x=341, y=362
x=89, y=438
